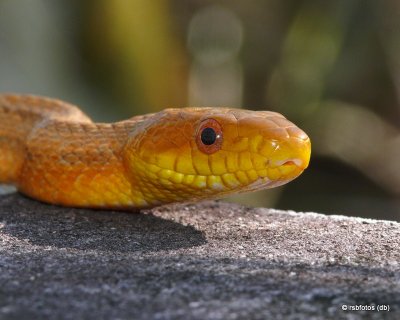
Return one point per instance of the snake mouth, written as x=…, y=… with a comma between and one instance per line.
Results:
x=290, y=162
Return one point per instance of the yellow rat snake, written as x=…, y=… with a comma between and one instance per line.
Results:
x=53, y=152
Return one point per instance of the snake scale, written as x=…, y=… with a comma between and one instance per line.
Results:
x=53, y=152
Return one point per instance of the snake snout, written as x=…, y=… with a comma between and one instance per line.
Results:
x=292, y=153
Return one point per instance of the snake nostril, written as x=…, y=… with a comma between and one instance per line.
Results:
x=297, y=133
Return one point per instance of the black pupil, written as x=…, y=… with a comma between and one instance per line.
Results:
x=208, y=136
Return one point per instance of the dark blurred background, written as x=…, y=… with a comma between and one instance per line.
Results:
x=332, y=67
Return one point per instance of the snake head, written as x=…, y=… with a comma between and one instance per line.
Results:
x=201, y=153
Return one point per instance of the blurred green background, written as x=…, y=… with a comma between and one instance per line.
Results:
x=332, y=67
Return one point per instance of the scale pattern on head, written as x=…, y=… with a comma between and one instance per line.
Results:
x=194, y=153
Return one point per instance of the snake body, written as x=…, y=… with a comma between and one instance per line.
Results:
x=53, y=152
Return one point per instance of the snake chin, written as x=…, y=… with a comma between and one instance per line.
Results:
x=263, y=183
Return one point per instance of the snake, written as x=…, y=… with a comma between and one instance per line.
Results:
x=52, y=152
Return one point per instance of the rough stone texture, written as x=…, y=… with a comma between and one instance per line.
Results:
x=211, y=260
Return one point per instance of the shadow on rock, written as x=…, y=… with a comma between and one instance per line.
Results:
x=82, y=229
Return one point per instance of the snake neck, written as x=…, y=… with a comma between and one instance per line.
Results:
x=77, y=164
x=19, y=115
x=53, y=152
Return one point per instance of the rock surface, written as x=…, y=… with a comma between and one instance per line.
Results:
x=211, y=260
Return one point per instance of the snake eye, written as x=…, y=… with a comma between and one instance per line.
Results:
x=209, y=136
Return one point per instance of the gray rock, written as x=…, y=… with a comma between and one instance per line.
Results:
x=211, y=260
